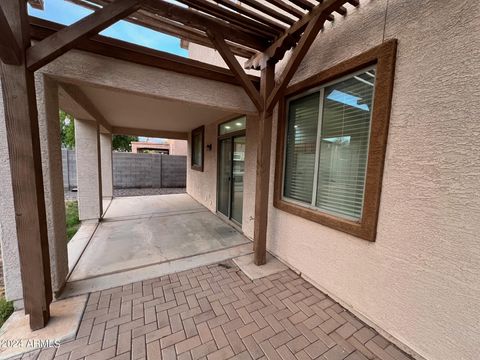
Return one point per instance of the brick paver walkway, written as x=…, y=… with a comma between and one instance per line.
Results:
x=216, y=312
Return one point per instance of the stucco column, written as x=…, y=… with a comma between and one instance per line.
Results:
x=8, y=230
x=89, y=178
x=107, y=170
x=50, y=144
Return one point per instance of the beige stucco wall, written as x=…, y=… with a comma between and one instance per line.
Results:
x=178, y=147
x=203, y=185
x=212, y=56
x=89, y=177
x=420, y=281
x=50, y=145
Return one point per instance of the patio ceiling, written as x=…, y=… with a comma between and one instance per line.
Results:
x=122, y=109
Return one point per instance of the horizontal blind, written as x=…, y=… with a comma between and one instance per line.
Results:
x=344, y=146
x=300, y=147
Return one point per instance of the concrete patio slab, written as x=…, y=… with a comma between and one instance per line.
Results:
x=79, y=242
x=99, y=283
x=166, y=228
x=136, y=206
x=17, y=338
x=273, y=266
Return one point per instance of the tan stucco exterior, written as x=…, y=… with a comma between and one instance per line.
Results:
x=171, y=146
x=419, y=282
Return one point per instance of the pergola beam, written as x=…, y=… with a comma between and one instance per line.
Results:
x=169, y=27
x=36, y=4
x=304, y=4
x=204, y=22
x=270, y=11
x=118, y=49
x=251, y=26
x=285, y=6
x=277, y=50
x=256, y=15
x=21, y=120
x=50, y=48
x=297, y=56
x=236, y=68
x=10, y=52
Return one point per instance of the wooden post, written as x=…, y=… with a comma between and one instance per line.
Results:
x=267, y=83
x=21, y=122
x=9, y=51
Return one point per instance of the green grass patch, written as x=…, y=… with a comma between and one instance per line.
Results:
x=73, y=223
x=6, y=309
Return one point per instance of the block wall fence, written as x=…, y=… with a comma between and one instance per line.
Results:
x=134, y=170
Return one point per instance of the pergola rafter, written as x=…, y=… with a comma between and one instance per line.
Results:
x=292, y=36
x=65, y=39
x=169, y=27
x=41, y=29
x=251, y=28
x=248, y=28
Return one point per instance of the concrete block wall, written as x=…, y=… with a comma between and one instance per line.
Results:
x=69, y=169
x=106, y=164
x=173, y=171
x=135, y=170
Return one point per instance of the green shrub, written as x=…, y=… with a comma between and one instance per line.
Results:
x=73, y=223
x=6, y=309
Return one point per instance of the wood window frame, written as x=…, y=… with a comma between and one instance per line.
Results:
x=196, y=131
x=383, y=58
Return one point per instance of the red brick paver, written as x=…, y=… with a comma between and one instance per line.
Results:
x=214, y=312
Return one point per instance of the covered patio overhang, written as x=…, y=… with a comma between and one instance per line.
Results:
x=102, y=79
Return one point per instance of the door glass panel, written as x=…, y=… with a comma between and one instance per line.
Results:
x=238, y=170
x=224, y=176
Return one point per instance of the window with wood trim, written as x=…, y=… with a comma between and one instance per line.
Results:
x=197, y=147
x=332, y=139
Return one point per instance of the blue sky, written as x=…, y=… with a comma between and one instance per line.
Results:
x=66, y=13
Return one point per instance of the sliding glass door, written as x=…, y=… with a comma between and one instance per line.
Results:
x=231, y=168
x=238, y=169
x=224, y=176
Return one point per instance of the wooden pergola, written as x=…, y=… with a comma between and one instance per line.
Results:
x=261, y=31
